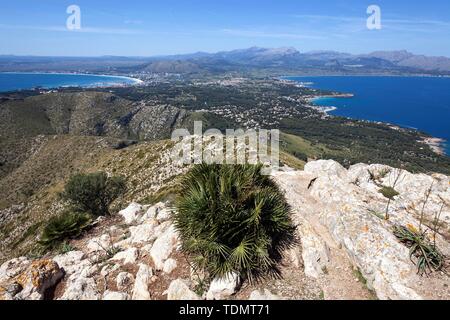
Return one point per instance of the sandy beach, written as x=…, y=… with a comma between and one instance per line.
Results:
x=436, y=144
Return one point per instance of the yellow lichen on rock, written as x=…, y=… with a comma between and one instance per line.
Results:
x=40, y=275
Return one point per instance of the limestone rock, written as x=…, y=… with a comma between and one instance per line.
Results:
x=101, y=243
x=115, y=296
x=37, y=278
x=124, y=280
x=263, y=295
x=143, y=277
x=179, y=290
x=169, y=266
x=163, y=214
x=72, y=261
x=315, y=252
x=108, y=269
x=128, y=256
x=144, y=233
x=132, y=212
x=157, y=212
x=149, y=215
x=12, y=268
x=328, y=168
x=81, y=286
x=342, y=202
x=163, y=247
x=222, y=288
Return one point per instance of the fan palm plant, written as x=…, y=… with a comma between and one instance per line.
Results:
x=59, y=228
x=231, y=218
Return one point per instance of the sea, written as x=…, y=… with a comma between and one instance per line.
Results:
x=22, y=81
x=421, y=103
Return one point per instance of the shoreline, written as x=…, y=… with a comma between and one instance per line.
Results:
x=289, y=78
x=437, y=145
x=331, y=96
x=326, y=109
x=134, y=80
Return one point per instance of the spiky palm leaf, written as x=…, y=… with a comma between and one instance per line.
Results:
x=67, y=225
x=233, y=218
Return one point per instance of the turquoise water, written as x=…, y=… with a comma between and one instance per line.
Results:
x=20, y=81
x=421, y=103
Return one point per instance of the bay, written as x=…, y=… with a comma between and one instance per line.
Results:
x=421, y=103
x=23, y=81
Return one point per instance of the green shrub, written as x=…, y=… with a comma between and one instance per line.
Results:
x=422, y=252
x=93, y=193
x=68, y=225
x=233, y=219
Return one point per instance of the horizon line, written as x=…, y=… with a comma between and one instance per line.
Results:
x=215, y=52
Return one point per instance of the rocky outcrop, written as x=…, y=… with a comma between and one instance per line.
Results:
x=347, y=207
x=222, y=288
x=131, y=213
x=344, y=243
x=163, y=247
x=128, y=256
x=265, y=294
x=143, y=277
x=179, y=290
x=37, y=278
x=115, y=296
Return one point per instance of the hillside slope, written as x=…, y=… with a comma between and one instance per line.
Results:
x=87, y=113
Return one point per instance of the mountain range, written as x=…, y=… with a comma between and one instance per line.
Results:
x=255, y=58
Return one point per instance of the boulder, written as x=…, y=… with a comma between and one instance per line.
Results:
x=82, y=286
x=130, y=255
x=124, y=280
x=144, y=233
x=263, y=295
x=157, y=212
x=149, y=215
x=132, y=212
x=163, y=214
x=222, y=288
x=115, y=296
x=72, y=261
x=328, y=168
x=143, y=278
x=163, y=247
x=40, y=276
x=98, y=244
x=179, y=290
x=12, y=268
x=169, y=266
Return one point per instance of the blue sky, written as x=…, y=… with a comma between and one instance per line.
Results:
x=159, y=27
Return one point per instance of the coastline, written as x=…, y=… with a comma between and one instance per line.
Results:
x=289, y=78
x=326, y=109
x=332, y=96
x=134, y=80
x=437, y=145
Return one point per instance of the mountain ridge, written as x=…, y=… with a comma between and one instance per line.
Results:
x=256, y=57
